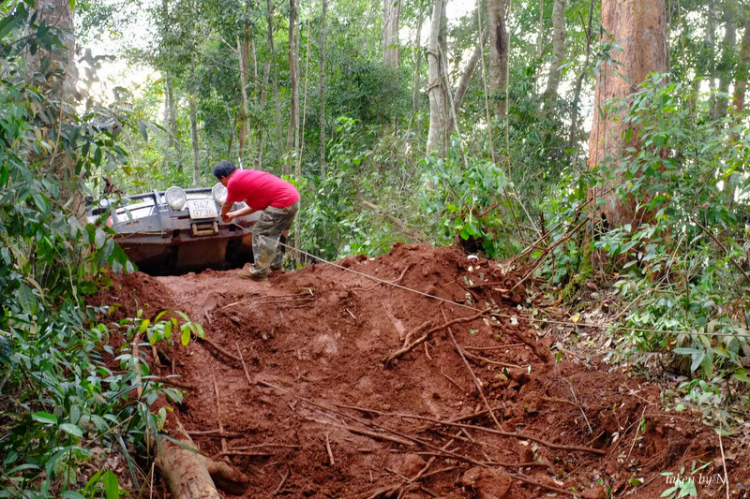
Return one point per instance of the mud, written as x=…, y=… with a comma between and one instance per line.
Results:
x=314, y=412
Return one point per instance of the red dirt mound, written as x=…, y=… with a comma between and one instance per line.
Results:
x=321, y=404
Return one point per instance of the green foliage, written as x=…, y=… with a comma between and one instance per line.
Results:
x=471, y=203
x=63, y=404
x=678, y=268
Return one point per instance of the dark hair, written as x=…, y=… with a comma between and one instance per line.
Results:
x=224, y=169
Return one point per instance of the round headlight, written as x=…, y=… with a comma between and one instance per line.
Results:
x=103, y=203
x=176, y=198
x=219, y=193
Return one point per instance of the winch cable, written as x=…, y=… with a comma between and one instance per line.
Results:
x=494, y=314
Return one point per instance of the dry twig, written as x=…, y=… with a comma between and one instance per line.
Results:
x=471, y=371
x=395, y=355
x=219, y=349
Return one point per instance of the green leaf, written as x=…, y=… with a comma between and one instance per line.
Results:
x=142, y=129
x=27, y=299
x=100, y=238
x=87, y=287
x=7, y=25
x=185, y=336
x=6, y=350
x=44, y=417
x=71, y=494
x=71, y=429
x=111, y=485
x=144, y=325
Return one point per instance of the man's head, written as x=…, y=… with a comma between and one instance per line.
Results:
x=223, y=170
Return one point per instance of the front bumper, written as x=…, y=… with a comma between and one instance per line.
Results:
x=171, y=241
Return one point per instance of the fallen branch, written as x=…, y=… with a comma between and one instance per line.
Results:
x=241, y=453
x=201, y=433
x=330, y=452
x=521, y=436
x=525, y=479
x=490, y=361
x=282, y=482
x=376, y=436
x=218, y=412
x=488, y=464
x=395, y=355
x=473, y=375
x=219, y=349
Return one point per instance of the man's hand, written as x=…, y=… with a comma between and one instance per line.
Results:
x=228, y=217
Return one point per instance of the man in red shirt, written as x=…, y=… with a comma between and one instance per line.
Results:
x=262, y=191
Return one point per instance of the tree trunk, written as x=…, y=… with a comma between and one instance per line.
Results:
x=725, y=67
x=58, y=13
x=391, y=14
x=175, y=132
x=165, y=123
x=498, y=55
x=436, y=137
x=242, y=50
x=558, y=52
x=743, y=68
x=463, y=83
x=415, y=80
x=194, y=130
x=263, y=100
x=640, y=27
x=322, y=91
x=277, y=105
x=709, y=46
x=294, y=82
x=579, y=84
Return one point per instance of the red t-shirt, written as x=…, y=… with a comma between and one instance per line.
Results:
x=260, y=190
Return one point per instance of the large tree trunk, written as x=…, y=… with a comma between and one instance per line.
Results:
x=463, y=83
x=291, y=137
x=391, y=14
x=415, y=80
x=708, y=55
x=498, y=55
x=58, y=14
x=242, y=51
x=263, y=100
x=743, y=68
x=277, y=105
x=436, y=137
x=558, y=52
x=194, y=137
x=323, y=91
x=725, y=67
x=640, y=27
x=174, y=131
x=579, y=83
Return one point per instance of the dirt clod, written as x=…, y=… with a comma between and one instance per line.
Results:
x=488, y=484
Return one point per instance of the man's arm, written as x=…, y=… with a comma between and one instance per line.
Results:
x=229, y=215
x=225, y=211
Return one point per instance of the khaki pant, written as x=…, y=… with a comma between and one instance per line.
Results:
x=274, y=224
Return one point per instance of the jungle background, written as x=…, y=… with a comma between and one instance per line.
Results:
x=604, y=144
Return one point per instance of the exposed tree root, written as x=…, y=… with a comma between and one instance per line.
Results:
x=191, y=475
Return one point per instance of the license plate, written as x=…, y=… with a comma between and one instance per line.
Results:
x=202, y=208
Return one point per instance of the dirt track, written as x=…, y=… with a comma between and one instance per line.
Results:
x=317, y=414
